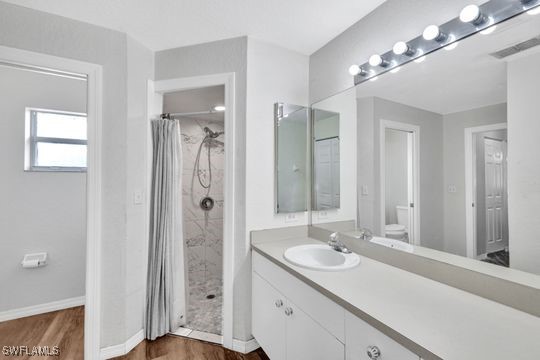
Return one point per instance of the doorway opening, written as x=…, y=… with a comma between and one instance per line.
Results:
x=487, y=195
x=202, y=127
x=399, y=203
x=59, y=132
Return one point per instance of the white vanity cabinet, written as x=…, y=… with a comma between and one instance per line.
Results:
x=293, y=321
x=285, y=331
x=268, y=318
x=362, y=338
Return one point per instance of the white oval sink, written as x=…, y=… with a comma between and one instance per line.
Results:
x=394, y=244
x=320, y=257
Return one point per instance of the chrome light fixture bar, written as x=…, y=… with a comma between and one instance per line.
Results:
x=471, y=20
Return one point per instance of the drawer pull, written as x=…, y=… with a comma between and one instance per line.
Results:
x=373, y=352
x=288, y=311
x=279, y=303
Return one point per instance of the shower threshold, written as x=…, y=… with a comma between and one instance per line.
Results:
x=198, y=335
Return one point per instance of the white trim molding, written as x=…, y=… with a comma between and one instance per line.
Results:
x=161, y=87
x=94, y=75
x=124, y=348
x=41, y=308
x=245, y=347
x=470, y=184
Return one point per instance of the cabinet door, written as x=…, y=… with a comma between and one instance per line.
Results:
x=268, y=318
x=360, y=336
x=307, y=340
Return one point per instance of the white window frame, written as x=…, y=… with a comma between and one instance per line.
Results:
x=33, y=139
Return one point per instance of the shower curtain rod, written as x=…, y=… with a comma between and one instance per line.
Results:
x=171, y=116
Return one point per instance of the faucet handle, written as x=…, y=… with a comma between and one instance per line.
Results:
x=365, y=234
x=334, y=237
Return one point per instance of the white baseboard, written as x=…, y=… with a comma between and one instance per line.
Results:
x=122, y=349
x=41, y=308
x=245, y=347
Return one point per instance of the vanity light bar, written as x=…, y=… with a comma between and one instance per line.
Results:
x=471, y=20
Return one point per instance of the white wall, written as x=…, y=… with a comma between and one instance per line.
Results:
x=454, y=170
x=264, y=74
x=274, y=75
x=59, y=36
x=140, y=68
x=39, y=211
x=345, y=104
x=224, y=56
x=524, y=163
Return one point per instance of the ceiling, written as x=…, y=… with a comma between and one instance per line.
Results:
x=196, y=100
x=465, y=78
x=301, y=25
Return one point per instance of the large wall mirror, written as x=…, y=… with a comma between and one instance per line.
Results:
x=441, y=155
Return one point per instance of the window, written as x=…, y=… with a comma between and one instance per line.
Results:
x=56, y=140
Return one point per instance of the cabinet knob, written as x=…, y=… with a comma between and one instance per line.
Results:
x=288, y=311
x=279, y=303
x=373, y=352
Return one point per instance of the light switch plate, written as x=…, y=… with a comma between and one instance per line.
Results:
x=138, y=197
x=291, y=218
x=365, y=190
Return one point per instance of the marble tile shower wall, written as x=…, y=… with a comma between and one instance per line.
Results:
x=203, y=231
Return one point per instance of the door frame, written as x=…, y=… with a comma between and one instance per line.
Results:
x=94, y=73
x=156, y=89
x=470, y=183
x=413, y=174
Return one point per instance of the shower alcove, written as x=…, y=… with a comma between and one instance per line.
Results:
x=203, y=159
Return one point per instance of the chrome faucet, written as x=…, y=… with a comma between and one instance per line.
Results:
x=364, y=234
x=337, y=245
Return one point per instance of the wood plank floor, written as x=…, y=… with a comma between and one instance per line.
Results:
x=62, y=328
x=65, y=329
x=178, y=348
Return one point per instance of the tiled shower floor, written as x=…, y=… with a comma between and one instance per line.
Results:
x=204, y=314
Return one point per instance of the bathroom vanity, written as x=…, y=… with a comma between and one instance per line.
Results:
x=432, y=154
x=375, y=311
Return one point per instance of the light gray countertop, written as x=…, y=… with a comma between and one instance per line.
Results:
x=430, y=318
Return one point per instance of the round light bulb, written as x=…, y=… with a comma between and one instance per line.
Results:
x=400, y=48
x=354, y=70
x=219, y=108
x=470, y=13
x=431, y=32
x=375, y=60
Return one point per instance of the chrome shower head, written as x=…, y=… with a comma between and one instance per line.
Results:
x=212, y=134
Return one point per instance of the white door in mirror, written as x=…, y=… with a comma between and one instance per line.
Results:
x=320, y=257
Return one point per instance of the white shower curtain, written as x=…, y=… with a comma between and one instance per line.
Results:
x=166, y=290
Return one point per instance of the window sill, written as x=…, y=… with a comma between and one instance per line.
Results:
x=56, y=170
